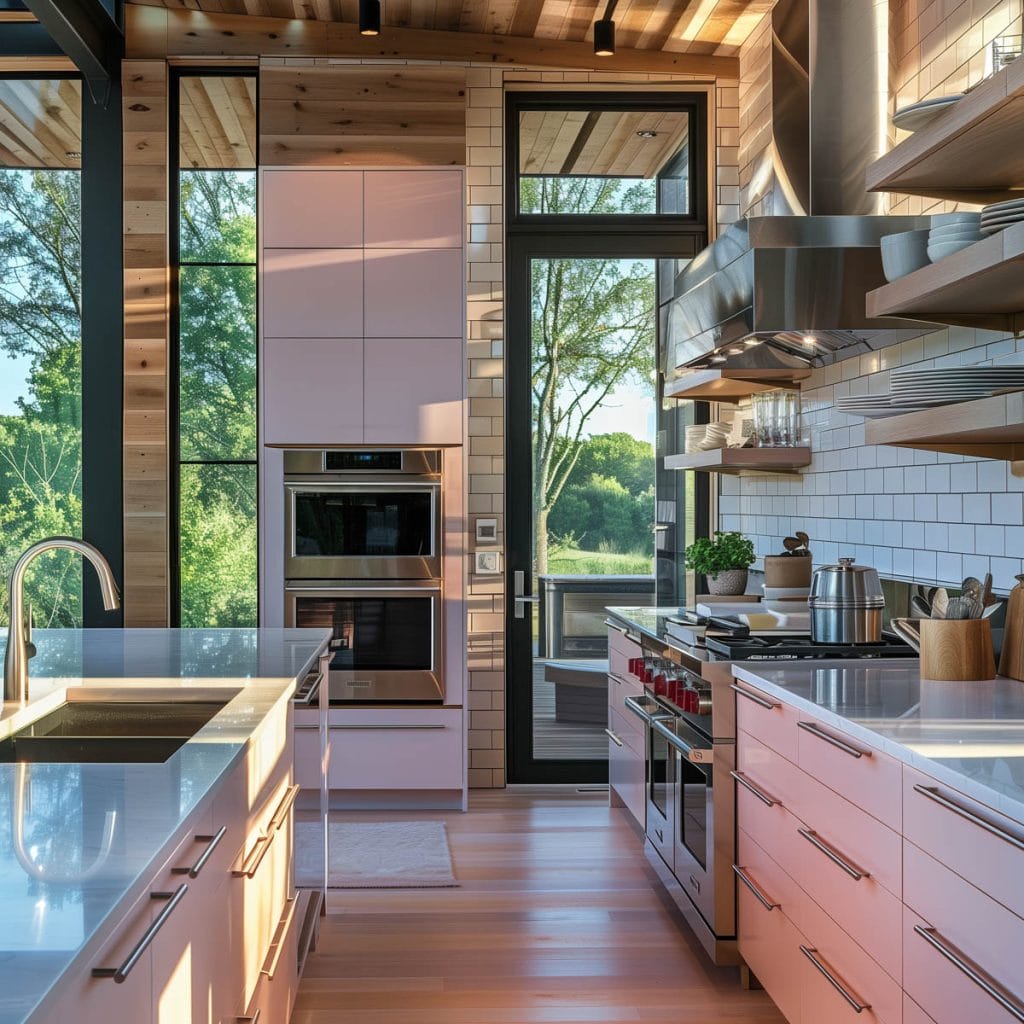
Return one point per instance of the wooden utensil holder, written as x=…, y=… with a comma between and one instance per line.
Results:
x=787, y=570
x=957, y=649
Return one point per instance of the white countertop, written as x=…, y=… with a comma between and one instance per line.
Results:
x=49, y=911
x=968, y=735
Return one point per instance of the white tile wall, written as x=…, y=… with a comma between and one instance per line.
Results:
x=926, y=515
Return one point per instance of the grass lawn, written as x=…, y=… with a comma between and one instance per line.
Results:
x=573, y=562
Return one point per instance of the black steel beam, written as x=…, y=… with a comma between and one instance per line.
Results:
x=85, y=31
x=27, y=39
x=102, y=345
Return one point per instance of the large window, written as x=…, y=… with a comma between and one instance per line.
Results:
x=216, y=570
x=41, y=338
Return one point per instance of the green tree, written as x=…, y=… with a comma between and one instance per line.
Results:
x=620, y=456
x=592, y=329
x=40, y=323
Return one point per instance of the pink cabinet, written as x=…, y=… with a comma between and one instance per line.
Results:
x=414, y=293
x=626, y=765
x=402, y=749
x=311, y=209
x=621, y=649
x=913, y=1014
x=413, y=391
x=312, y=390
x=766, y=718
x=975, y=841
x=414, y=209
x=962, y=950
x=861, y=773
x=312, y=293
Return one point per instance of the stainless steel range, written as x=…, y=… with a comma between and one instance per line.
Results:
x=689, y=713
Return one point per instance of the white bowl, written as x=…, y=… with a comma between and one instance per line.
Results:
x=904, y=253
x=944, y=219
x=944, y=249
x=785, y=593
x=950, y=231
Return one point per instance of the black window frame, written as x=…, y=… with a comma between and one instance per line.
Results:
x=175, y=461
x=552, y=236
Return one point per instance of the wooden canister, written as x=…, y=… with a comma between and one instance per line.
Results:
x=957, y=649
x=787, y=570
x=1011, y=658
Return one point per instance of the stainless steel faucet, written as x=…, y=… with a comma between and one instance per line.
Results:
x=19, y=632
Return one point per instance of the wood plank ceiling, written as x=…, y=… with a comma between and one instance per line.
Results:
x=40, y=123
x=218, y=121
x=684, y=26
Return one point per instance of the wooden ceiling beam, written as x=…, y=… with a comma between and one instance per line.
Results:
x=155, y=32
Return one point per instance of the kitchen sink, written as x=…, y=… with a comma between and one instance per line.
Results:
x=109, y=732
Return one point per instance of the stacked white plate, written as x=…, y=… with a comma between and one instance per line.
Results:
x=702, y=437
x=1000, y=216
x=951, y=232
x=917, y=115
x=931, y=386
x=873, y=406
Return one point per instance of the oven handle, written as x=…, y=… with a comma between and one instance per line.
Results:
x=359, y=488
x=433, y=588
x=643, y=714
x=693, y=754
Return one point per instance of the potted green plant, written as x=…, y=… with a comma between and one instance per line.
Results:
x=723, y=560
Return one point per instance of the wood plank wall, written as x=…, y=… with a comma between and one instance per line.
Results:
x=365, y=116
x=146, y=333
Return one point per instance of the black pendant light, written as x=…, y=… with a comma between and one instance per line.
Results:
x=604, y=33
x=369, y=17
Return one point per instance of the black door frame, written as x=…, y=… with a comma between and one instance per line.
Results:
x=529, y=237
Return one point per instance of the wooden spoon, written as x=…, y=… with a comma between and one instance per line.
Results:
x=803, y=538
x=940, y=603
x=790, y=544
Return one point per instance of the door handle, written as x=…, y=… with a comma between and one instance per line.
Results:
x=519, y=596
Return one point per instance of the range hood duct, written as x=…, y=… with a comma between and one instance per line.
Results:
x=788, y=288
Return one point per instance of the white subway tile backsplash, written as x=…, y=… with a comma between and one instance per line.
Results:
x=977, y=508
x=1007, y=508
x=990, y=540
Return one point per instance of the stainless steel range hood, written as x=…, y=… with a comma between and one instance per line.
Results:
x=788, y=288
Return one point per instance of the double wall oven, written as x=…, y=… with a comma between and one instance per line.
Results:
x=363, y=557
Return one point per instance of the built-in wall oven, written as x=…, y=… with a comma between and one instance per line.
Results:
x=362, y=514
x=388, y=637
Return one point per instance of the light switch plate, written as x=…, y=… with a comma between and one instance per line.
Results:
x=486, y=531
x=488, y=563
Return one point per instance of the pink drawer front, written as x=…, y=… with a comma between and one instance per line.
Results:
x=976, y=842
x=962, y=951
x=768, y=941
x=761, y=873
x=913, y=1014
x=626, y=768
x=621, y=649
x=767, y=821
x=864, y=776
x=840, y=983
x=769, y=771
x=627, y=724
x=766, y=718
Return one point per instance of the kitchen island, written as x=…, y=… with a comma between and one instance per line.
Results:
x=81, y=844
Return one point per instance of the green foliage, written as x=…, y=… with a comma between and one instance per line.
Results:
x=583, y=195
x=573, y=562
x=726, y=551
x=603, y=511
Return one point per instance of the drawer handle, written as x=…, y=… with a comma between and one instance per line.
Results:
x=763, y=702
x=278, y=948
x=616, y=627
x=259, y=850
x=982, y=979
x=251, y=1019
x=932, y=793
x=815, y=730
x=281, y=814
x=858, y=1005
x=615, y=739
x=384, y=728
x=759, y=793
x=818, y=843
x=758, y=895
x=298, y=728
x=212, y=842
x=120, y=974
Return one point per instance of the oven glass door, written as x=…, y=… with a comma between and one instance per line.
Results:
x=659, y=775
x=694, y=809
x=375, y=531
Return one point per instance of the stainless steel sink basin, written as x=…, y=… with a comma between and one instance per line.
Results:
x=109, y=732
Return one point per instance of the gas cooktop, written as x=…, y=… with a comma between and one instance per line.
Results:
x=793, y=648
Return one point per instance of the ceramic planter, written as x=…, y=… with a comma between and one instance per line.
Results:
x=728, y=581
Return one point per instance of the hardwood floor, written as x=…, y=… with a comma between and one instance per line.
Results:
x=558, y=919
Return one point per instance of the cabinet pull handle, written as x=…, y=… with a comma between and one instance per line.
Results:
x=763, y=702
x=120, y=974
x=966, y=965
x=280, y=816
x=300, y=728
x=278, y=947
x=758, y=895
x=815, y=730
x=818, y=843
x=748, y=785
x=252, y=1019
x=385, y=728
x=212, y=842
x=858, y=1005
x=932, y=793
x=621, y=629
x=615, y=739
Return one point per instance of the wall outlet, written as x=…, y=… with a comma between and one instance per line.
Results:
x=486, y=531
x=488, y=563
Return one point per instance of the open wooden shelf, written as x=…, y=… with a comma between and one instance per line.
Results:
x=972, y=152
x=991, y=428
x=980, y=286
x=743, y=461
x=731, y=385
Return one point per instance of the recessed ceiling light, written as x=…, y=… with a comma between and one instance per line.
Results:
x=73, y=153
x=646, y=133
x=369, y=17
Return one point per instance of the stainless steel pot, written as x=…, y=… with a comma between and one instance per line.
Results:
x=846, y=604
